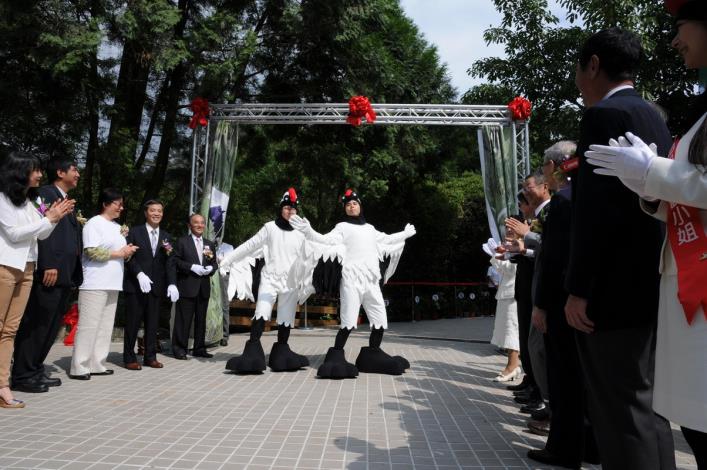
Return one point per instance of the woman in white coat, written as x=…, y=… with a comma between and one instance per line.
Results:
x=23, y=220
x=505, y=326
x=674, y=190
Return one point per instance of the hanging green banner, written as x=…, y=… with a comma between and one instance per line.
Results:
x=498, y=168
x=222, y=154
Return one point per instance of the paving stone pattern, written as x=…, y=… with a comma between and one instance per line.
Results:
x=445, y=413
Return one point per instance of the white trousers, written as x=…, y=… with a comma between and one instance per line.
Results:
x=369, y=295
x=286, y=304
x=94, y=330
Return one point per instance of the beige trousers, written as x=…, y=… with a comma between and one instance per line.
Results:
x=94, y=330
x=15, y=286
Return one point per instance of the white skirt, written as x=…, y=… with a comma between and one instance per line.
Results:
x=505, y=326
x=680, y=389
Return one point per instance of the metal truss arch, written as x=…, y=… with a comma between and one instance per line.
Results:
x=336, y=113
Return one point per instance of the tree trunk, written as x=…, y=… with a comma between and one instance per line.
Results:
x=173, y=95
x=126, y=116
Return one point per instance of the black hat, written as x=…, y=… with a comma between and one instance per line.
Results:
x=695, y=10
x=350, y=195
x=290, y=199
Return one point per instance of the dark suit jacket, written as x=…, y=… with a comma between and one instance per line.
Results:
x=615, y=246
x=62, y=249
x=188, y=283
x=550, y=294
x=159, y=268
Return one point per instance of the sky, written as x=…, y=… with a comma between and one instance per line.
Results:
x=456, y=27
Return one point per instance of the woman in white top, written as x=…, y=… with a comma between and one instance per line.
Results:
x=505, y=327
x=674, y=190
x=104, y=251
x=22, y=221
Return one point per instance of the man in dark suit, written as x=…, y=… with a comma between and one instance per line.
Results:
x=195, y=260
x=612, y=277
x=58, y=271
x=149, y=278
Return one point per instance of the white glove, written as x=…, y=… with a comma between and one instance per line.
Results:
x=300, y=224
x=635, y=185
x=487, y=250
x=409, y=230
x=630, y=162
x=207, y=270
x=492, y=244
x=145, y=282
x=172, y=293
x=198, y=270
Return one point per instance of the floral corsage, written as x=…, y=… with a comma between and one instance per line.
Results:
x=40, y=205
x=80, y=218
x=208, y=253
x=167, y=247
x=536, y=226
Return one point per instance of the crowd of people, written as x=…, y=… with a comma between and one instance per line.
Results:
x=48, y=248
x=602, y=304
x=609, y=316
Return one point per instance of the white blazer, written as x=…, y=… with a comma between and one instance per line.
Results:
x=678, y=181
x=20, y=227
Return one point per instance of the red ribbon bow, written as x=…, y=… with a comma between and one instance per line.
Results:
x=520, y=108
x=200, y=108
x=71, y=319
x=360, y=107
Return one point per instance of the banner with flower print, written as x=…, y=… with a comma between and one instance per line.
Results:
x=223, y=143
x=498, y=169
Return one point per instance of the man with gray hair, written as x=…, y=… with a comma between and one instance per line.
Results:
x=568, y=443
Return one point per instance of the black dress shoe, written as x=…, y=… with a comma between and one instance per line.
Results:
x=543, y=456
x=223, y=342
x=523, y=399
x=521, y=386
x=203, y=354
x=105, y=372
x=540, y=415
x=49, y=381
x=533, y=406
x=80, y=376
x=181, y=357
x=31, y=386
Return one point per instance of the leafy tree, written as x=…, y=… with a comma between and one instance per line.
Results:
x=541, y=56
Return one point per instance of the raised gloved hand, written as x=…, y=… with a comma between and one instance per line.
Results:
x=300, y=224
x=631, y=162
x=199, y=270
x=409, y=230
x=145, y=282
x=172, y=293
x=635, y=185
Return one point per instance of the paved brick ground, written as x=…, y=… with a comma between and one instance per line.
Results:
x=445, y=413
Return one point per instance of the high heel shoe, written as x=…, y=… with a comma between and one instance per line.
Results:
x=512, y=375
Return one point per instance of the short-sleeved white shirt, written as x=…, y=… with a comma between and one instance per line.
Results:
x=102, y=275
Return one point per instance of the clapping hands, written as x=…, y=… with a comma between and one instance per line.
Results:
x=59, y=209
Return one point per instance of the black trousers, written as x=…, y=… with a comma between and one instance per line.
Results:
x=697, y=441
x=141, y=308
x=525, y=310
x=618, y=368
x=38, y=329
x=188, y=308
x=570, y=436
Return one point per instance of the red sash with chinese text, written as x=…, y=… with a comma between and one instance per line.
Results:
x=689, y=244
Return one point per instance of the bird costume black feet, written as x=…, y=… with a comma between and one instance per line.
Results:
x=336, y=367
